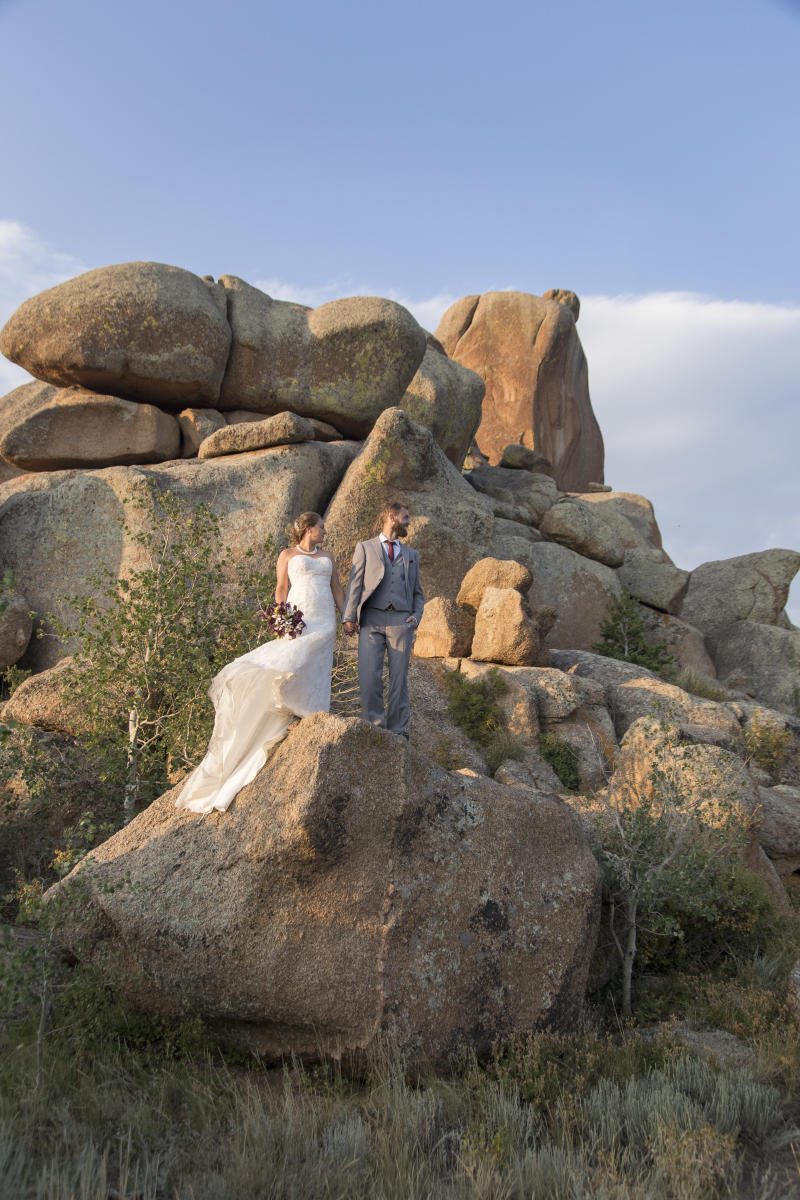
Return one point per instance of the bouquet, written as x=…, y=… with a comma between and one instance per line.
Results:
x=283, y=619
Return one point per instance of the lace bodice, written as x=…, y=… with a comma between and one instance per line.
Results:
x=310, y=591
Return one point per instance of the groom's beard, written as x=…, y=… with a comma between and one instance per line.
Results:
x=399, y=531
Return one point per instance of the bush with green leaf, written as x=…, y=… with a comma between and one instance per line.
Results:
x=149, y=643
x=623, y=637
x=563, y=758
x=146, y=648
x=472, y=705
x=670, y=855
x=767, y=742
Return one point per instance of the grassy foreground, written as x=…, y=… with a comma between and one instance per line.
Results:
x=98, y=1103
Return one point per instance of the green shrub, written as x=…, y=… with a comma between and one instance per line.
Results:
x=767, y=743
x=563, y=758
x=148, y=644
x=472, y=705
x=732, y=917
x=669, y=851
x=699, y=685
x=623, y=636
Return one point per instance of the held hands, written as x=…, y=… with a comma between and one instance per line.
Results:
x=350, y=627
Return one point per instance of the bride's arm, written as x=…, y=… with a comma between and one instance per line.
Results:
x=282, y=586
x=336, y=588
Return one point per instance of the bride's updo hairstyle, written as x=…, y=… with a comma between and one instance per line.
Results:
x=300, y=526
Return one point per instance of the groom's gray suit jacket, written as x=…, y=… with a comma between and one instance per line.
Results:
x=366, y=575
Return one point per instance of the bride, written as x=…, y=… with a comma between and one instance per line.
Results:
x=258, y=696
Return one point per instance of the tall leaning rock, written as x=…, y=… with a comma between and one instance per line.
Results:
x=339, y=902
x=528, y=353
x=142, y=331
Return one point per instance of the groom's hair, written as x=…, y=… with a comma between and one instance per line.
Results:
x=392, y=508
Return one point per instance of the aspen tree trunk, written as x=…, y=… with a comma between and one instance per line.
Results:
x=132, y=773
x=631, y=912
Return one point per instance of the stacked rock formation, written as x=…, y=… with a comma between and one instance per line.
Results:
x=145, y=360
x=459, y=908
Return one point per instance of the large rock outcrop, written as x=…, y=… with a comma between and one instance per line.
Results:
x=142, y=331
x=450, y=525
x=750, y=587
x=530, y=357
x=57, y=528
x=764, y=657
x=325, y=910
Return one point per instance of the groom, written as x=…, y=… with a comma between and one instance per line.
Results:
x=384, y=603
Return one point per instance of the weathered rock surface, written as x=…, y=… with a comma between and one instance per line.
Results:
x=43, y=701
x=711, y=781
x=521, y=458
x=632, y=692
x=751, y=587
x=780, y=827
x=444, y=913
x=79, y=428
x=492, y=572
x=15, y=628
x=574, y=524
x=143, y=331
x=505, y=630
x=284, y=429
x=685, y=643
x=56, y=528
x=537, y=393
x=269, y=367
x=445, y=398
x=652, y=577
x=629, y=515
x=344, y=362
x=196, y=424
x=445, y=630
x=565, y=297
x=526, y=495
x=768, y=656
x=578, y=588
x=402, y=461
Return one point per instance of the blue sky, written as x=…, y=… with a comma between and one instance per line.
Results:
x=643, y=154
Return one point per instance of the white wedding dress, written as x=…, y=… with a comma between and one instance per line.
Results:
x=257, y=696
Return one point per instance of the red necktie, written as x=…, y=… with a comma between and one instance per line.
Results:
x=390, y=551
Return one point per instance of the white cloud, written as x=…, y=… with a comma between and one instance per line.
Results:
x=699, y=403
x=27, y=266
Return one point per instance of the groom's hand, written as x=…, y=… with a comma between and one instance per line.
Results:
x=350, y=627
x=412, y=620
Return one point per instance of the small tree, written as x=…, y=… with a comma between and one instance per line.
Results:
x=623, y=637
x=661, y=846
x=148, y=644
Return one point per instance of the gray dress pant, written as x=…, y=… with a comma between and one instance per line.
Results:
x=381, y=633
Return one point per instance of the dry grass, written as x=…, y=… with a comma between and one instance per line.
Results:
x=117, y=1108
